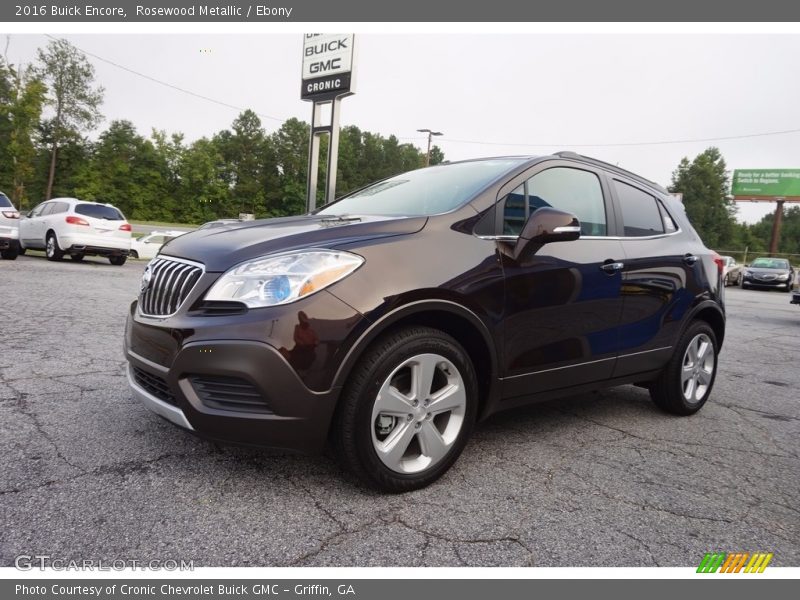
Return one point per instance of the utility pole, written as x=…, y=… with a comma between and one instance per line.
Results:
x=430, y=135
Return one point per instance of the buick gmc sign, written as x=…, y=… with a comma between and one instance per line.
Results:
x=327, y=65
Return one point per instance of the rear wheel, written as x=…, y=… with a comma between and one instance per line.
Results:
x=51, y=249
x=134, y=254
x=77, y=257
x=10, y=253
x=117, y=260
x=407, y=411
x=686, y=382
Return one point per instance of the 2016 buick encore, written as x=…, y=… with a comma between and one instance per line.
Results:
x=391, y=320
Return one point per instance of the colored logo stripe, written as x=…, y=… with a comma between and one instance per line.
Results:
x=734, y=562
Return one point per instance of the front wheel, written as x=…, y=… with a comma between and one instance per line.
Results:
x=117, y=261
x=77, y=257
x=407, y=411
x=686, y=382
x=134, y=255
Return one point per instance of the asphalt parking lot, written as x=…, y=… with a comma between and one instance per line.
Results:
x=596, y=480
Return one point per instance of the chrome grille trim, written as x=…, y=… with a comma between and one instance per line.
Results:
x=172, y=281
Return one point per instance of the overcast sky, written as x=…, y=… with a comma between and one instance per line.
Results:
x=489, y=94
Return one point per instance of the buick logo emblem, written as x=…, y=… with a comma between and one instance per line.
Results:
x=146, y=278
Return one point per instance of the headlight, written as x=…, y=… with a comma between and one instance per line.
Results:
x=747, y=273
x=283, y=278
x=783, y=277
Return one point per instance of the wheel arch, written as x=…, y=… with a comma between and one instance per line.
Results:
x=711, y=313
x=453, y=319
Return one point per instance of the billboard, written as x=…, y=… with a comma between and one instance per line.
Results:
x=327, y=65
x=766, y=184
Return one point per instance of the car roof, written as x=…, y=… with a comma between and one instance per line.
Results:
x=569, y=155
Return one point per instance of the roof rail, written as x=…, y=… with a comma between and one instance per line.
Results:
x=606, y=165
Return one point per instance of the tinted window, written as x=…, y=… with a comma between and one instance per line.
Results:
x=5, y=202
x=37, y=211
x=99, y=211
x=640, y=213
x=47, y=209
x=571, y=190
x=58, y=207
x=424, y=192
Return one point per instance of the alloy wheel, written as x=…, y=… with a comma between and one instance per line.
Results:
x=418, y=413
x=697, y=371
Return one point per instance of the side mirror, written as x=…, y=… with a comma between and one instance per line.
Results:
x=547, y=225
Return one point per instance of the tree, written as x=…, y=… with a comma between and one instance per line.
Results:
x=704, y=185
x=71, y=95
x=21, y=100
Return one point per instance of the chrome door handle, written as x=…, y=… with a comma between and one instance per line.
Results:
x=612, y=267
x=690, y=259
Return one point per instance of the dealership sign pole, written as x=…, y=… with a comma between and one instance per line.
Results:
x=328, y=76
x=768, y=185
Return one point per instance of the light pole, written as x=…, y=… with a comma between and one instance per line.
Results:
x=430, y=135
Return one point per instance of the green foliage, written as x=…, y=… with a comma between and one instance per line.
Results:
x=164, y=178
x=71, y=94
x=704, y=185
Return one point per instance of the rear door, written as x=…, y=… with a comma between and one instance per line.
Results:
x=563, y=304
x=659, y=277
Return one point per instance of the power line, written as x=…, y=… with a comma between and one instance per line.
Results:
x=169, y=85
x=445, y=139
x=659, y=143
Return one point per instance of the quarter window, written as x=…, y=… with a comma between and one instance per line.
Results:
x=641, y=215
x=571, y=190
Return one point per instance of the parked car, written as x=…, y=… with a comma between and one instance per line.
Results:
x=768, y=273
x=391, y=320
x=149, y=245
x=730, y=270
x=795, y=297
x=78, y=228
x=9, y=229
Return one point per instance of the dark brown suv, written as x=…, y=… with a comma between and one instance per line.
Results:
x=391, y=320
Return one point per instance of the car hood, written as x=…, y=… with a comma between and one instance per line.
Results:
x=760, y=272
x=220, y=248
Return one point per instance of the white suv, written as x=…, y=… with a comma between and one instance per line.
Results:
x=9, y=233
x=69, y=226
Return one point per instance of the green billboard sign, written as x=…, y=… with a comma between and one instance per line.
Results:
x=774, y=183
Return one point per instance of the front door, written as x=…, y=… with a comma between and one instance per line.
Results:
x=563, y=303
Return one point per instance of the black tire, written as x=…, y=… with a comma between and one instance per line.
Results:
x=117, y=261
x=134, y=254
x=353, y=429
x=51, y=249
x=9, y=253
x=668, y=391
x=77, y=257
x=21, y=250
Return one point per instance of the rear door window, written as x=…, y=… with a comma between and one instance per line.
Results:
x=99, y=211
x=641, y=215
x=5, y=202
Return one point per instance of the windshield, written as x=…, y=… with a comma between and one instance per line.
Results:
x=425, y=192
x=770, y=263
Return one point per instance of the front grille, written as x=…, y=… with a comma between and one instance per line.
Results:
x=155, y=385
x=229, y=393
x=170, y=283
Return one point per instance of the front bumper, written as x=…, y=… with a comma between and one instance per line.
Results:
x=8, y=242
x=241, y=378
x=771, y=285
